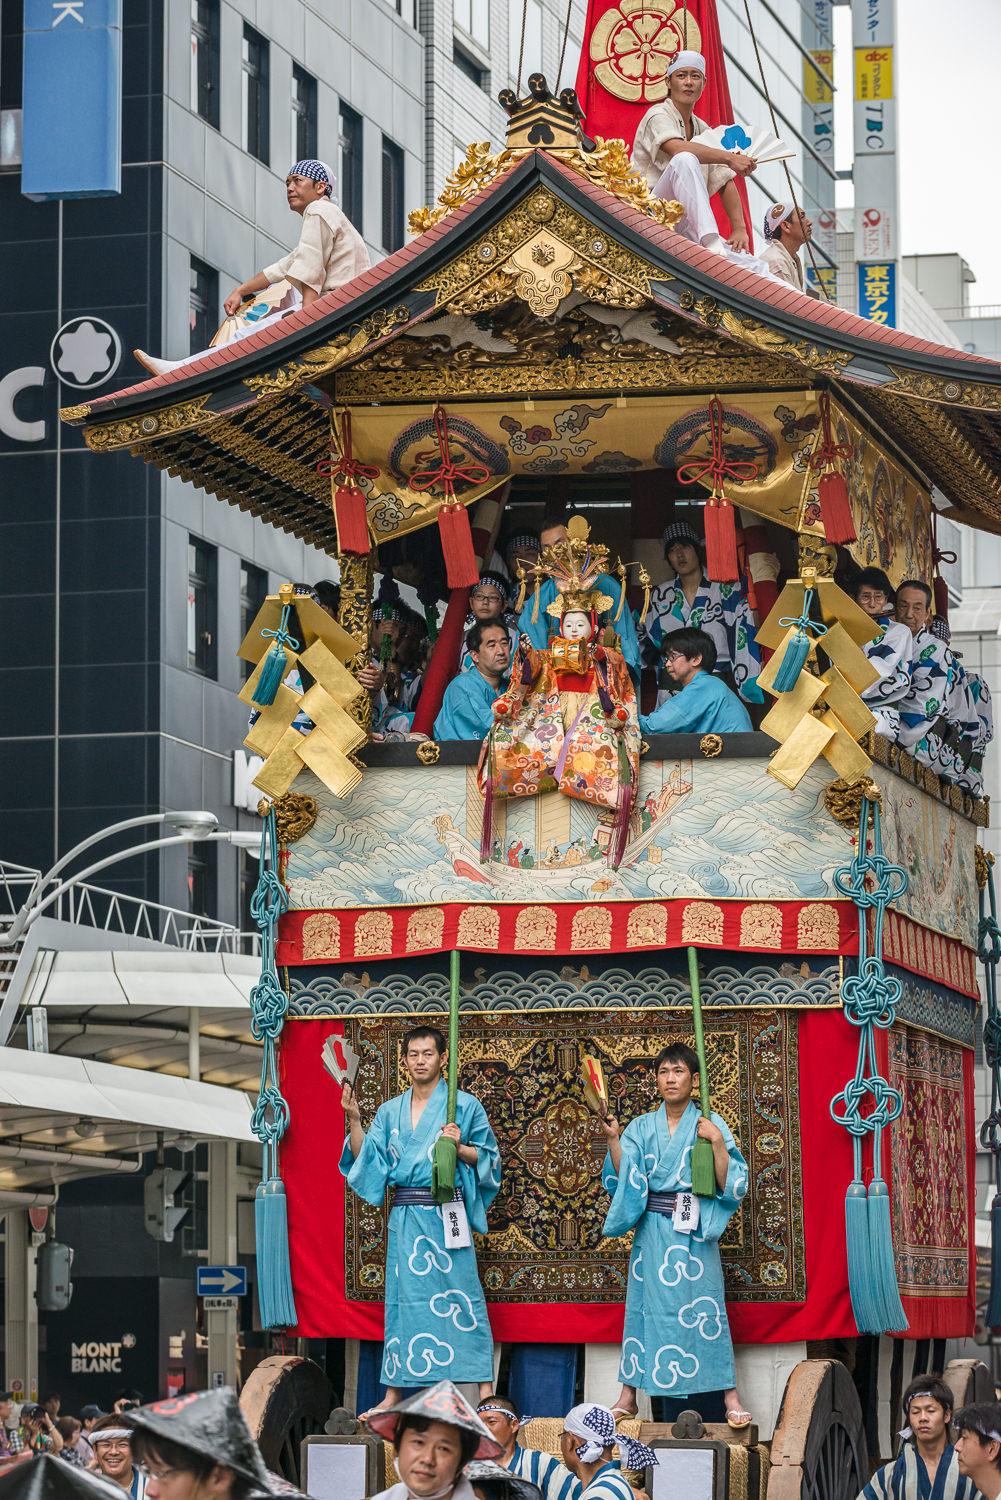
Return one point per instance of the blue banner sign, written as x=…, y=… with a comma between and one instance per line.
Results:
x=72, y=123
x=877, y=292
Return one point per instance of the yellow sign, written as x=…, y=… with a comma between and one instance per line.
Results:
x=874, y=72
x=817, y=88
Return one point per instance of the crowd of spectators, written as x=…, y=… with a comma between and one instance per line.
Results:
x=93, y=1440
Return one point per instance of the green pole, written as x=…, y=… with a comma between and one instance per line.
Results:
x=445, y=1158
x=703, y=1165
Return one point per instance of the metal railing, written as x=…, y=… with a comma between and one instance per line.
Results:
x=132, y=916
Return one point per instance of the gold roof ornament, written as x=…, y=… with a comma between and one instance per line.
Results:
x=543, y=122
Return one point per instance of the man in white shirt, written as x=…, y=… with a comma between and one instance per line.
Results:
x=787, y=230
x=668, y=154
x=329, y=253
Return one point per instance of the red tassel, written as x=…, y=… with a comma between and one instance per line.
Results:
x=940, y=590
x=351, y=519
x=461, y=570
x=721, y=541
x=835, y=510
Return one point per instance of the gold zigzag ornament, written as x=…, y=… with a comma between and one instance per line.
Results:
x=815, y=712
x=321, y=648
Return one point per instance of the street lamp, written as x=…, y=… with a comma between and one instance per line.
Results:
x=195, y=827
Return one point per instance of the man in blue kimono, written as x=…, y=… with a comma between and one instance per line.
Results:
x=704, y=705
x=676, y=1339
x=926, y=1467
x=467, y=709
x=436, y=1316
x=540, y=629
x=541, y=1469
x=890, y=653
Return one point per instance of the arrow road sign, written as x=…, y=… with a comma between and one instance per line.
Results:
x=221, y=1280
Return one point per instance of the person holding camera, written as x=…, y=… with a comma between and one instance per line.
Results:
x=37, y=1432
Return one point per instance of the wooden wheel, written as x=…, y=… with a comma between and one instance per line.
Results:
x=284, y=1400
x=819, y=1450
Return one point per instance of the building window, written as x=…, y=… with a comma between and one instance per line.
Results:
x=304, y=112
x=405, y=8
x=474, y=18
x=349, y=168
x=256, y=113
x=392, y=195
x=205, y=60
x=202, y=607
x=470, y=67
x=531, y=52
x=253, y=592
x=203, y=305
x=202, y=880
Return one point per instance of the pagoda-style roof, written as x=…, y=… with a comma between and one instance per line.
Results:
x=464, y=314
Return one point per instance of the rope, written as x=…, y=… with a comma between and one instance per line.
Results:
x=563, y=49
x=521, y=47
x=785, y=161
x=269, y=1002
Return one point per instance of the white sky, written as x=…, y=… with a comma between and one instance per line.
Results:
x=947, y=81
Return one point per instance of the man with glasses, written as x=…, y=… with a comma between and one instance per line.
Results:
x=890, y=653
x=488, y=605
x=704, y=704
x=111, y=1441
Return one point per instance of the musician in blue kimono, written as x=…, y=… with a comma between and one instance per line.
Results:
x=436, y=1316
x=690, y=599
x=676, y=1340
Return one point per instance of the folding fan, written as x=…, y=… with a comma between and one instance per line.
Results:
x=752, y=140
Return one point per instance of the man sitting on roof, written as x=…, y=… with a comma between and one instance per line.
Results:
x=667, y=153
x=890, y=653
x=705, y=704
x=329, y=253
x=787, y=230
x=467, y=710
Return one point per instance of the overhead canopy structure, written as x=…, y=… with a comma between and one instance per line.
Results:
x=548, y=274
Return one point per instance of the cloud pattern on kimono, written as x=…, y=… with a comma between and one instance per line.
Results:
x=391, y=1361
x=704, y=1315
x=631, y=1367
x=456, y=1305
x=671, y=1364
x=434, y=1258
x=425, y=1353
x=680, y=1263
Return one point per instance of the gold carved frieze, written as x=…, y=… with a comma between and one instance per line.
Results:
x=814, y=355
x=314, y=363
x=944, y=388
x=106, y=436
x=541, y=234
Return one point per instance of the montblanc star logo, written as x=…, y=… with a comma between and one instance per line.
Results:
x=128, y=1341
x=85, y=352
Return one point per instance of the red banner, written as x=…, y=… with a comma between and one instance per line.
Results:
x=628, y=46
x=828, y=1048
x=315, y=937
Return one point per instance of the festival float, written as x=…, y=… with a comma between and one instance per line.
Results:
x=548, y=332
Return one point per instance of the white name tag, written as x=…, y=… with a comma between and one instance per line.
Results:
x=456, y=1226
x=686, y=1213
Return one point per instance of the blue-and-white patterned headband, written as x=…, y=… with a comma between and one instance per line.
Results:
x=596, y=1425
x=317, y=170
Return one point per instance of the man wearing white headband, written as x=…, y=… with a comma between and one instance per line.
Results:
x=978, y=1446
x=541, y=1469
x=927, y=1464
x=586, y=1444
x=329, y=253
x=111, y=1441
x=667, y=153
x=787, y=230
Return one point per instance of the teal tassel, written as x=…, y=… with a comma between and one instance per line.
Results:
x=884, y=1271
x=992, y=1317
x=274, y=1273
x=860, y=1277
x=793, y=662
x=271, y=676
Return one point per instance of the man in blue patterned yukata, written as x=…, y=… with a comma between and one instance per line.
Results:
x=676, y=1339
x=890, y=653
x=586, y=1444
x=436, y=1316
x=936, y=711
x=690, y=599
x=927, y=1466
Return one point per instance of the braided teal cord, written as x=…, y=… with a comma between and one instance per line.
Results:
x=803, y=620
x=870, y=996
x=989, y=953
x=281, y=636
x=269, y=1002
